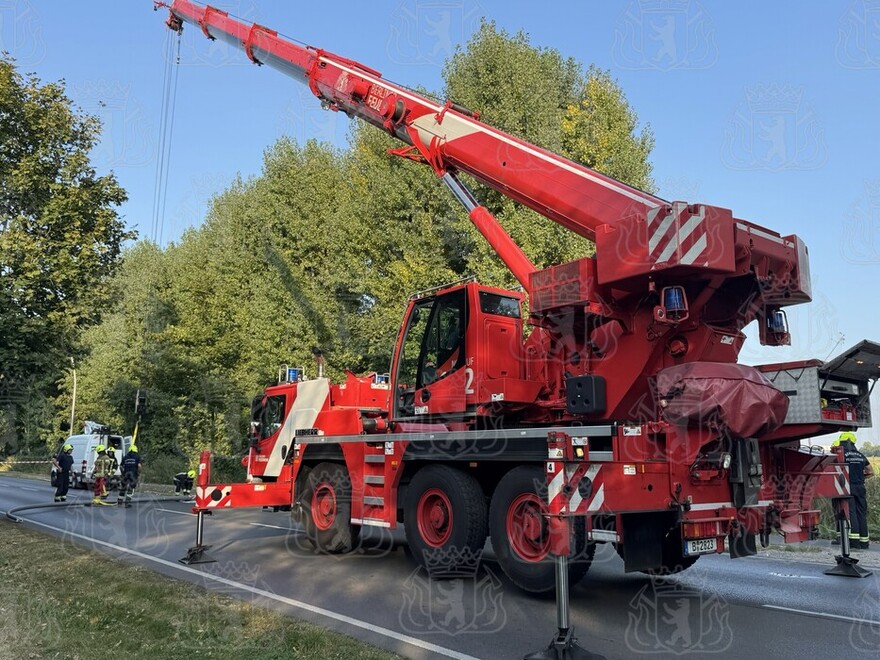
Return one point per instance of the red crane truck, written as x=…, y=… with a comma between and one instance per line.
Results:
x=625, y=399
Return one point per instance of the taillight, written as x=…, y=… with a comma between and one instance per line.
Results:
x=701, y=530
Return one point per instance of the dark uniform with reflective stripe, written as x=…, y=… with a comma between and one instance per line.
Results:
x=65, y=462
x=182, y=480
x=131, y=464
x=858, y=533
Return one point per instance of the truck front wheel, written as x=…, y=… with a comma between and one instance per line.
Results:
x=520, y=536
x=326, y=502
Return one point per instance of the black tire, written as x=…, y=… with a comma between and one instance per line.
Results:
x=518, y=510
x=674, y=559
x=326, y=501
x=445, y=520
x=53, y=479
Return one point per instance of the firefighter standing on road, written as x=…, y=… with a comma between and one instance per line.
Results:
x=859, y=469
x=63, y=462
x=131, y=470
x=100, y=473
x=114, y=465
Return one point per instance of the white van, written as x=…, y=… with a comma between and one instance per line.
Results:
x=84, y=455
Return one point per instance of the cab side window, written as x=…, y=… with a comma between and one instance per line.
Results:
x=272, y=416
x=443, y=350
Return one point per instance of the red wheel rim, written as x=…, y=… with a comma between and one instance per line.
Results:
x=324, y=505
x=434, y=517
x=527, y=528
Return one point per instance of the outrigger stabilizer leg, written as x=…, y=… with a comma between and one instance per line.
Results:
x=846, y=566
x=197, y=554
x=564, y=645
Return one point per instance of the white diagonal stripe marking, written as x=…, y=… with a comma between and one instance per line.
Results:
x=695, y=251
x=660, y=232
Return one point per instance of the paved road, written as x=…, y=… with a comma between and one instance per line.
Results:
x=755, y=607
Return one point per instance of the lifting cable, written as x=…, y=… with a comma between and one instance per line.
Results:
x=166, y=129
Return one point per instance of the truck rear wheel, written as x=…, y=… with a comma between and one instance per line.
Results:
x=520, y=536
x=445, y=519
x=327, y=509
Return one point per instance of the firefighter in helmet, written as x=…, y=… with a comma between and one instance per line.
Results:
x=101, y=472
x=183, y=481
x=131, y=470
x=63, y=463
x=859, y=469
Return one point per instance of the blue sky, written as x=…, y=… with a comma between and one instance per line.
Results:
x=769, y=109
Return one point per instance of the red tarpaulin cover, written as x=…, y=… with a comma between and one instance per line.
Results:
x=721, y=396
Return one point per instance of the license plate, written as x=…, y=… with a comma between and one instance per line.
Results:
x=700, y=546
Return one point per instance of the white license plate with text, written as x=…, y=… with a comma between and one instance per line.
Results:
x=700, y=547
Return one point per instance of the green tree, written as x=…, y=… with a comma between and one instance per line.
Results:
x=324, y=247
x=60, y=236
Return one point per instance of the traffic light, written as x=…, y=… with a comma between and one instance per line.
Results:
x=140, y=403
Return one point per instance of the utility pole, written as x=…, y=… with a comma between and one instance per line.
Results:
x=73, y=398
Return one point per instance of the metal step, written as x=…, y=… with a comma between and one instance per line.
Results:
x=374, y=501
x=374, y=479
x=374, y=458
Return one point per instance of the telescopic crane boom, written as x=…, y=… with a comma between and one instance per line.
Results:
x=446, y=136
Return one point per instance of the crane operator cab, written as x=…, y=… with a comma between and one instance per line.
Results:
x=452, y=343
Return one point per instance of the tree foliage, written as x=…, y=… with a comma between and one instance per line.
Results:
x=324, y=246
x=60, y=240
x=540, y=96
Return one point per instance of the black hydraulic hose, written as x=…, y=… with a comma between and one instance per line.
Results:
x=49, y=505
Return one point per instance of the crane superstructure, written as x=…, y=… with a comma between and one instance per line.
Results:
x=667, y=447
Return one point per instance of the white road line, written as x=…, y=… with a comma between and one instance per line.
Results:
x=286, y=529
x=180, y=513
x=449, y=653
x=799, y=577
x=825, y=615
x=30, y=488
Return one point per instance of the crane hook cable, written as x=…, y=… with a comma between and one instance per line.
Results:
x=166, y=130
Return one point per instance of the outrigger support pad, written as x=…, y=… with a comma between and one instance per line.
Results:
x=564, y=645
x=197, y=554
x=846, y=566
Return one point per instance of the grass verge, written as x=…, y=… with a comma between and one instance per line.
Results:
x=61, y=601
